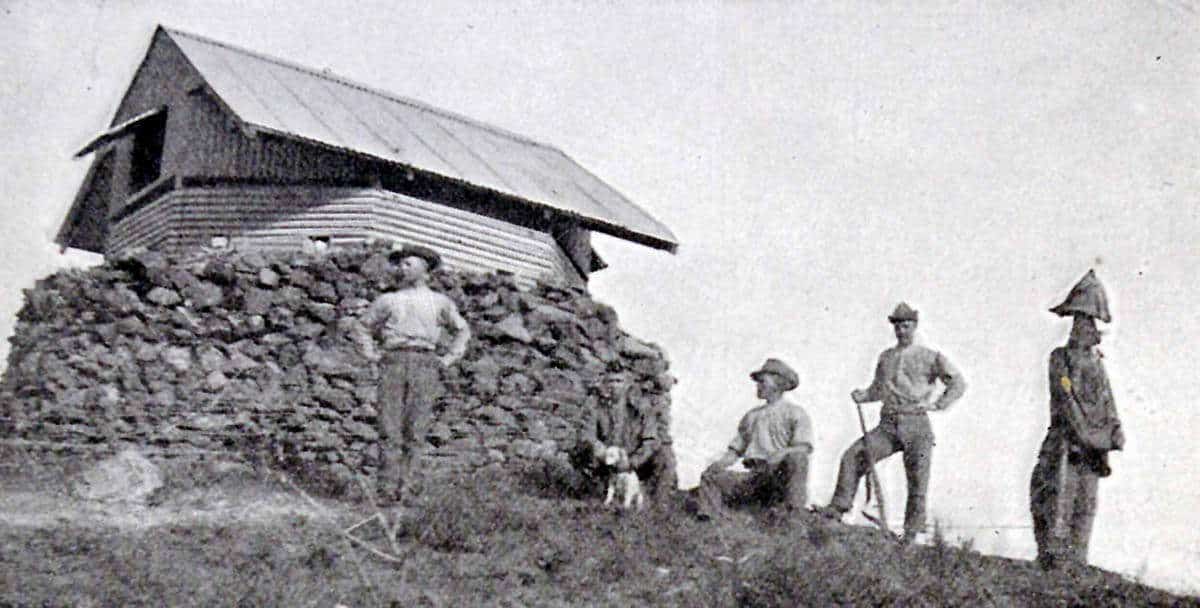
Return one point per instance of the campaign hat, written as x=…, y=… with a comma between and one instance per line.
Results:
x=903, y=312
x=774, y=366
x=431, y=257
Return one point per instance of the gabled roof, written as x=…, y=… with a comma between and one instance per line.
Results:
x=274, y=96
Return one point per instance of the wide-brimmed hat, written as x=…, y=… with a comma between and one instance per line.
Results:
x=774, y=366
x=1087, y=298
x=903, y=312
x=431, y=257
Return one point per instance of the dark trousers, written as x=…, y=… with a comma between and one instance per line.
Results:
x=908, y=433
x=1062, y=496
x=784, y=482
x=657, y=474
x=409, y=387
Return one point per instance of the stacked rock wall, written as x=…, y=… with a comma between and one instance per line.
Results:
x=221, y=350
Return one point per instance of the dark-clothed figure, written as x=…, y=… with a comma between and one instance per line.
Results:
x=1084, y=427
x=905, y=381
x=773, y=441
x=616, y=416
x=408, y=324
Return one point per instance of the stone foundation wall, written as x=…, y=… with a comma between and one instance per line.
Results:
x=222, y=350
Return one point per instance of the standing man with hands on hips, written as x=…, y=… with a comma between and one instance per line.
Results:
x=905, y=381
x=408, y=324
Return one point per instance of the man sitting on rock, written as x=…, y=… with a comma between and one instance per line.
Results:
x=616, y=415
x=774, y=441
x=408, y=324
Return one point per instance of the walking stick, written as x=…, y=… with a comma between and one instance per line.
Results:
x=872, y=478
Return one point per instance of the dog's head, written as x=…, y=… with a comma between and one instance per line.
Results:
x=616, y=457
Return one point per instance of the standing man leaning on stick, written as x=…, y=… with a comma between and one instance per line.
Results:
x=408, y=324
x=905, y=380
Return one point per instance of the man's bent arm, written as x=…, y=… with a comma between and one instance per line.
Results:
x=1107, y=437
x=362, y=337
x=375, y=313
x=801, y=432
x=875, y=391
x=956, y=385
x=462, y=333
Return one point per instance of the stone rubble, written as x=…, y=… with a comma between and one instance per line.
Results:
x=241, y=351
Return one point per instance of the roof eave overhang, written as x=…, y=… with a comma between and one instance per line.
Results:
x=126, y=128
x=664, y=242
x=599, y=225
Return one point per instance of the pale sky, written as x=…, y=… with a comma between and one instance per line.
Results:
x=819, y=163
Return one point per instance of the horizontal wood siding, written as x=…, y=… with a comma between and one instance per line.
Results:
x=145, y=227
x=287, y=218
x=272, y=218
x=471, y=241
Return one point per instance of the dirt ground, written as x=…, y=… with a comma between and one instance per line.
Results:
x=38, y=493
x=42, y=509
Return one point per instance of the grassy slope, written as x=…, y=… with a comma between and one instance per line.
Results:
x=497, y=541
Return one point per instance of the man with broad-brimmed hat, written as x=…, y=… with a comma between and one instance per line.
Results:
x=773, y=441
x=407, y=325
x=1084, y=427
x=905, y=381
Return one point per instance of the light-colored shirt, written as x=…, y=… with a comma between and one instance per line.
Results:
x=770, y=431
x=415, y=318
x=905, y=380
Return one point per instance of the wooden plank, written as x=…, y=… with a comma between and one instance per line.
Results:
x=524, y=275
x=325, y=219
x=513, y=243
x=432, y=238
x=496, y=250
x=412, y=202
x=284, y=218
x=143, y=228
x=249, y=205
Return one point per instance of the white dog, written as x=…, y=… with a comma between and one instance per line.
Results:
x=622, y=480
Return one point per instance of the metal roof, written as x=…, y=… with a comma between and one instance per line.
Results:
x=293, y=101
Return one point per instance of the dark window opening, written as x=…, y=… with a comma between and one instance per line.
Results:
x=147, y=152
x=318, y=243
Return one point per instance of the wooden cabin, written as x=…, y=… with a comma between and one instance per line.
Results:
x=216, y=144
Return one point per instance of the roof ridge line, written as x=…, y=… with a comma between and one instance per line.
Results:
x=342, y=80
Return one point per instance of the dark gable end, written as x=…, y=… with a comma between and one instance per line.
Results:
x=86, y=224
x=153, y=104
